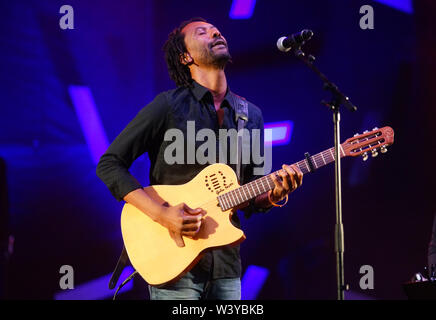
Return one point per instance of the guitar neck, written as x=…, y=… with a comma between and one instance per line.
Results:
x=259, y=186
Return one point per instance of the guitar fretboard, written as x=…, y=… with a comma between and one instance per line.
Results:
x=259, y=186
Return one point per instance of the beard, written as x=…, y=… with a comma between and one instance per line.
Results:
x=216, y=58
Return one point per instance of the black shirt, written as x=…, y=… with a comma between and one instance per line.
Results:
x=145, y=133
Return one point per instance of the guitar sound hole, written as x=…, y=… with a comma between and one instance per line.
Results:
x=215, y=182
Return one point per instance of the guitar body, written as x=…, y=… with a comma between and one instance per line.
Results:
x=150, y=247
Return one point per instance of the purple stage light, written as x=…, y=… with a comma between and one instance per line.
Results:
x=402, y=5
x=89, y=120
x=280, y=132
x=96, y=289
x=242, y=9
x=252, y=282
x=353, y=295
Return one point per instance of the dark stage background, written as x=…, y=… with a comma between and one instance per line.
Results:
x=57, y=212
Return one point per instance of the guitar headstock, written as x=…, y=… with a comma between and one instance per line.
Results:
x=369, y=141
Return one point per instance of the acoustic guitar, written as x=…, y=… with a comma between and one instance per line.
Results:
x=152, y=250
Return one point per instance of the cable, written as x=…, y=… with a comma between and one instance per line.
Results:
x=124, y=282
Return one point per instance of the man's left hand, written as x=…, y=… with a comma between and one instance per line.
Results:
x=290, y=179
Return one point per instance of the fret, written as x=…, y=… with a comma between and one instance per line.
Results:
x=255, y=182
x=232, y=198
x=307, y=165
x=263, y=186
x=223, y=201
x=248, y=191
x=343, y=153
x=314, y=162
x=252, y=188
x=322, y=156
x=254, y=191
x=242, y=197
x=229, y=203
x=327, y=156
x=303, y=167
x=236, y=197
x=298, y=165
x=331, y=152
x=270, y=182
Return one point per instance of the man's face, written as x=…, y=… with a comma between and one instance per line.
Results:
x=205, y=44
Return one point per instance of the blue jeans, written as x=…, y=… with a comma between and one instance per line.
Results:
x=196, y=285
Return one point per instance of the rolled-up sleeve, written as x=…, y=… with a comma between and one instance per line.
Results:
x=136, y=139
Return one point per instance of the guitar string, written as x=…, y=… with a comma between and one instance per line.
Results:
x=317, y=158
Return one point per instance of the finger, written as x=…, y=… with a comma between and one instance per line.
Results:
x=177, y=237
x=293, y=176
x=191, y=226
x=290, y=177
x=189, y=233
x=189, y=218
x=277, y=182
x=196, y=211
x=299, y=175
x=285, y=179
x=278, y=186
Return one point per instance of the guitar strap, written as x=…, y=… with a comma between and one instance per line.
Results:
x=241, y=117
x=121, y=264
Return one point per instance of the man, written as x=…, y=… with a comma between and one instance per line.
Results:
x=196, y=54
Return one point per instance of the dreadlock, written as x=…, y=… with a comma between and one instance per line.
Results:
x=174, y=47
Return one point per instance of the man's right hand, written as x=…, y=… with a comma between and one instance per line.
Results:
x=181, y=220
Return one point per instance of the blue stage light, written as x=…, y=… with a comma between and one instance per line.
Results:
x=280, y=132
x=402, y=5
x=242, y=9
x=252, y=282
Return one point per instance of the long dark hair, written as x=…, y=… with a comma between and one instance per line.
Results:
x=174, y=47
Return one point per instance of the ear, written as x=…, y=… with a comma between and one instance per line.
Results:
x=186, y=58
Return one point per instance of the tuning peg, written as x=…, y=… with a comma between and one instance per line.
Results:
x=365, y=156
x=366, y=131
x=375, y=128
x=374, y=153
x=356, y=134
x=383, y=149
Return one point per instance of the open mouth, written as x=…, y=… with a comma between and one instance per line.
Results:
x=218, y=43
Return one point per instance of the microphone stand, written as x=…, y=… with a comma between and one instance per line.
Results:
x=337, y=99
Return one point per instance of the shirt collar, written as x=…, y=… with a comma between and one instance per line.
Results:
x=199, y=92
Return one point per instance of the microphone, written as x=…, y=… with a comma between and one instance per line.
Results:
x=294, y=41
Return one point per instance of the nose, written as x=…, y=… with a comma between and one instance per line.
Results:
x=216, y=33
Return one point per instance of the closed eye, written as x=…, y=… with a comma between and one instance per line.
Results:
x=201, y=30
